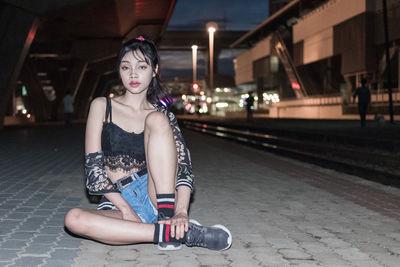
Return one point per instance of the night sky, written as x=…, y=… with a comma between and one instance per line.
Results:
x=194, y=14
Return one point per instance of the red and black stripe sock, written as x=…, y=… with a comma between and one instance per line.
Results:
x=162, y=233
x=165, y=206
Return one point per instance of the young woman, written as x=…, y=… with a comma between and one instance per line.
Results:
x=137, y=159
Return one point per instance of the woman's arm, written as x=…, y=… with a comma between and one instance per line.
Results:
x=97, y=180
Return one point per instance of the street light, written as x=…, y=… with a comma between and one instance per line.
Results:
x=194, y=57
x=211, y=27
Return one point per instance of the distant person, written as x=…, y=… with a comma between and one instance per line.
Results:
x=364, y=98
x=250, y=106
x=68, y=108
x=198, y=109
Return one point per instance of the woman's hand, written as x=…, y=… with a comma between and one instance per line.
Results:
x=179, y=224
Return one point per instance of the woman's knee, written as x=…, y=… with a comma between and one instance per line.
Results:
x=157, y=121
x=74, y=220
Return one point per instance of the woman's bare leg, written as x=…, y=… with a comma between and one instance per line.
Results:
x=160, y=154
x=108, y=227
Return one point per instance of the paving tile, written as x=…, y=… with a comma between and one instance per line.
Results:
x=13, y=244
x=44, y=239
x=18, y=215
x=7, y=226
x=29, y=261
x=7, y=255
x=59, y=263
x=22, y=235
x=70, y=243
x=51, y=230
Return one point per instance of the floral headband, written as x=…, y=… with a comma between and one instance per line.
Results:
x=140, y=38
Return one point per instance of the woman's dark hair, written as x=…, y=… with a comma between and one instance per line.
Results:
x=156, y=93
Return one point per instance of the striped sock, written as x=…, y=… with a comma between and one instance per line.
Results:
x=162, y=233
x=165, y=206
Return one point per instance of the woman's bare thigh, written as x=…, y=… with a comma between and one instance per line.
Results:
x=116, y=214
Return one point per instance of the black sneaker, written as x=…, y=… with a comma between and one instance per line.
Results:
x=216, y=237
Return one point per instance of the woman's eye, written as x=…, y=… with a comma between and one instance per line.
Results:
x=124, y=68
x=142, y=67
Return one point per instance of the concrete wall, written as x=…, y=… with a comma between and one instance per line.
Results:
x=318, y=46
x=243, y=63
x=323, y=107
x=243, y=66
x=308, y=108
x=326, y=16
x=316, y=28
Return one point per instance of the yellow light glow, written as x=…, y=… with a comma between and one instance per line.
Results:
x=183, y=97
x=209, y=100
x=211, y=29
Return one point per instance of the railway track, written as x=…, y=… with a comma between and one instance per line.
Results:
x=376, y=165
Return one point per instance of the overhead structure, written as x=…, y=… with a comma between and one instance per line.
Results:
x=69, y=45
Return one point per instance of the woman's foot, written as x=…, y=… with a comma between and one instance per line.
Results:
x=216, y=237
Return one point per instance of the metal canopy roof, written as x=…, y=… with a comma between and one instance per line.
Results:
x=288, y=13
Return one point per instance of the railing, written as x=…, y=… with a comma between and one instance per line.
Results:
x=286, y=59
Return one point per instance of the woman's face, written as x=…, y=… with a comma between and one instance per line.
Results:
x=135, y=73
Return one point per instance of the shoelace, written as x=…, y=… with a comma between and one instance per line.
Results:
x=196, y=238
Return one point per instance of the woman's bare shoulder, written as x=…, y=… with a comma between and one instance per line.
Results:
x=98, y=102
x=97, y=108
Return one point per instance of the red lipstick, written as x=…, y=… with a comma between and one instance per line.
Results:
x=134, y=84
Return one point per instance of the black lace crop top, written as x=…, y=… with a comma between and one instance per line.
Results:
x=125, y=151
x=122, y=150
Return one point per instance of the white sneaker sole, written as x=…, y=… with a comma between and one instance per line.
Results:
x=220, y=226
x=169, y=247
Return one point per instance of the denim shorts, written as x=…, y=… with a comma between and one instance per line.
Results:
x=137, y=196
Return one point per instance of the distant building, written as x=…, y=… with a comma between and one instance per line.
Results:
x=314, y=53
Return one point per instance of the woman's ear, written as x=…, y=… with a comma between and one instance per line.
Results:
x=155, y=71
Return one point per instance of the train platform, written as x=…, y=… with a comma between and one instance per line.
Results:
x=281, y=212
x=374, y=130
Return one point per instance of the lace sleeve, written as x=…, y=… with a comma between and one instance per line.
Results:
x=97, y=181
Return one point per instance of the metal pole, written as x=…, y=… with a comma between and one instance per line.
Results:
x=211, y=44
x=389, y=75
x=194, y=57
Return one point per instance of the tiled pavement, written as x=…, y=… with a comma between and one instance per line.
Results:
x=281, y=212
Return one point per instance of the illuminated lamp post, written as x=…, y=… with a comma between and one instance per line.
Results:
x=194, y=58
x=212, y=28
